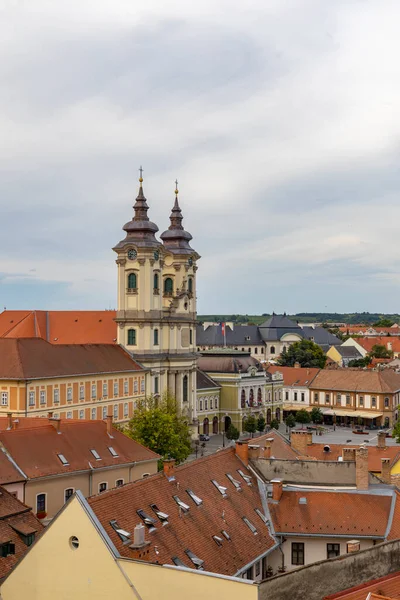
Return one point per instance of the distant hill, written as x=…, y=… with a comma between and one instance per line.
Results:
x=350, y=318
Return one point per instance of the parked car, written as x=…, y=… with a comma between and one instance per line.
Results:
x=204, y=437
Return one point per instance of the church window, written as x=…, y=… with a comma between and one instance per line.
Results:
x=190, y=285
x=155, y=283
x=132, y=281
x=155, y=333
x=185, y=388
x=131, y=337
x=272, y=350
x=168, y=286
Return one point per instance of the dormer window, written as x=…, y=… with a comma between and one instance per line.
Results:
x=124, y=535
x=262, y=516
x=147, y=520
x=250, y=525
x=181, y=504
x=226, y=535
x=234, y=482
x=195, y=559
x=245, y=477
x=218, y=540
x=220, y=488
x=195, y=498
x=161, y=515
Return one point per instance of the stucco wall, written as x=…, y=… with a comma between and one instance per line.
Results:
x=328, y=577
x=307, y=471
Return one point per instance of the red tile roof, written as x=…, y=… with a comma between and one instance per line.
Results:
x=280, y=447
x=389, y=586
x=36, y=450
x=394, y=533
x=375, y=454
x=332, y=513
x=358, y=381
x=61, y=327
x=390, y=343
x=9, y=472
x=293, y=376
x=195, y=529
x=14, y=517
x=35, y=359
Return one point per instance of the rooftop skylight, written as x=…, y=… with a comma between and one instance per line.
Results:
x=235, y=482
x=226, y=535
x=177, y=561
x=147, y=519
x=112, y=451
x=95, y=454
x=124, y=535
x=250, y=525
x=63, y=459
x=218, y=540
x=195, y=498
x=247, y=478
x=181, y=504
x=262, y=516
x=161, y=515
x=195, y=559
x=220, y=488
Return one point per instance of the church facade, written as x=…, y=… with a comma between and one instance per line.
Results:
x=156, y=311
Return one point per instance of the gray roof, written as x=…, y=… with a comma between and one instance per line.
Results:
x=204, y=382
x=321, y=336
x=223, y=362
x=274, y=328
x=349, y=352
x=212, y=336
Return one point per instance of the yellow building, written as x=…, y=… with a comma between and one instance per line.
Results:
x=75, y=559
x=156, y=316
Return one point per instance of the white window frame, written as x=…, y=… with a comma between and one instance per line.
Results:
x=126, y=409
x=45, y=501
x=69, y=393
x=120, y=479
x=94, y=391
x=32, y=400
x=69, y=412
x=103, y=483
x=93, y=411
x=104, y=412
x=115, y=411
x=142, y=386
x=56, y=395
x=42, y=396
x=82, y=412
x=73, y=492
x=135, y=386
x=126, y=387
x=81, y=392
x=105, y=390
x=4, y=398
x=116, y=389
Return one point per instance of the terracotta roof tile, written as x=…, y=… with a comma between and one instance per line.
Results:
x=390, y=342
x=332, y=513
x=375, y=454
x=293, y=376
x=280, y=447
x=192, y=530
x=353, y=380
x=36, y=450
x=36, y=358
x=389, y=585
x=14, y=515
x=8, y=472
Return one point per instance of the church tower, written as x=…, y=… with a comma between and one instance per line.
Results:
x=156, y=313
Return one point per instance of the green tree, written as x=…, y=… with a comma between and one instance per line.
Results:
x=250, y=424
x=316, y=415
x=380, y=351
x=396, y=432
x=360, y=362
x=261, y=423
x=384, y=322
x=159, y=425
x=302, y=416
x=306, y=353
x=233, y=433
x=290, y=421
x=274, y=424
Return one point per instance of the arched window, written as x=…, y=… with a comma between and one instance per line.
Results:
x=243, y=399
x=155, y=282
x=251, y=397
x=262, y=350
x=132, y=281
x=278, y=415
x=272, y=350
x=155, y=334
x=190, y=285
x=168, y=286
x=185, y=388
x=259, y=396
x=131, y=337
x=269, y=416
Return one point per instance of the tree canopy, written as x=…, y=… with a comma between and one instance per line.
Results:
x=380, y=351
x=261, y=423
x=316, y=415
x=159, y=425
x=250, y=424
x=233, y=433
x=290, y=421
x=302, y=416
x=274, y=424
x=384, y=322
x=306, y=353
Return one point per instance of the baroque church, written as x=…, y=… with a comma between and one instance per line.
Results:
x=156, y=314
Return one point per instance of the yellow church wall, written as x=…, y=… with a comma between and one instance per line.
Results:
x=334, y=355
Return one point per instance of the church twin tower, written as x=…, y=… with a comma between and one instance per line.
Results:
x=156, y=314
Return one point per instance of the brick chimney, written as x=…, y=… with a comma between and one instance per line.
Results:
x=349, y=454
x=268, y=447
x=253, y=451
x=381, y=439
x=109, y=420
x=9, y=421
x=362, y=474
x=277, y=489
x=300, y=440
x=140, y=548
x=242, y=451
x=385, y=470
x=169, y=467
x=56, y=424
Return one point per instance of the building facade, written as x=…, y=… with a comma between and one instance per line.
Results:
x=156, y=314
x=296, y=383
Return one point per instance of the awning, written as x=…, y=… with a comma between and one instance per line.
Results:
x=297, y=407
x=340, y=412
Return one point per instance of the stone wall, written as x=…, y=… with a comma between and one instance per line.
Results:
x=320, y=579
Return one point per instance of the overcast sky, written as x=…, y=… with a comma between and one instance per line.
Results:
x=280, y=119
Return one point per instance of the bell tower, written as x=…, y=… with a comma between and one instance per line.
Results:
x=156, y=313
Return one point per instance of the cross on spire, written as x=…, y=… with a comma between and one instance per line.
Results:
x=176, y=187
x=140, y=174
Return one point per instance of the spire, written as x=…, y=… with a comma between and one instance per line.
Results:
x=176, y=238
x=141, y=207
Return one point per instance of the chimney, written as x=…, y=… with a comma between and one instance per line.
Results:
x=50, y=415
x=56, y=424
x=297, y=365
x=242, y=451
x=362, y=474
x=267, y=447
x=381, y=439
x=385, y=470
x=253, y=451
x=300, y=440
x=353, y=546
x=109, y=419
x=141, y=548
x=277, y=489
x=9, y=421
x=169, y=467
x=349, y=454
